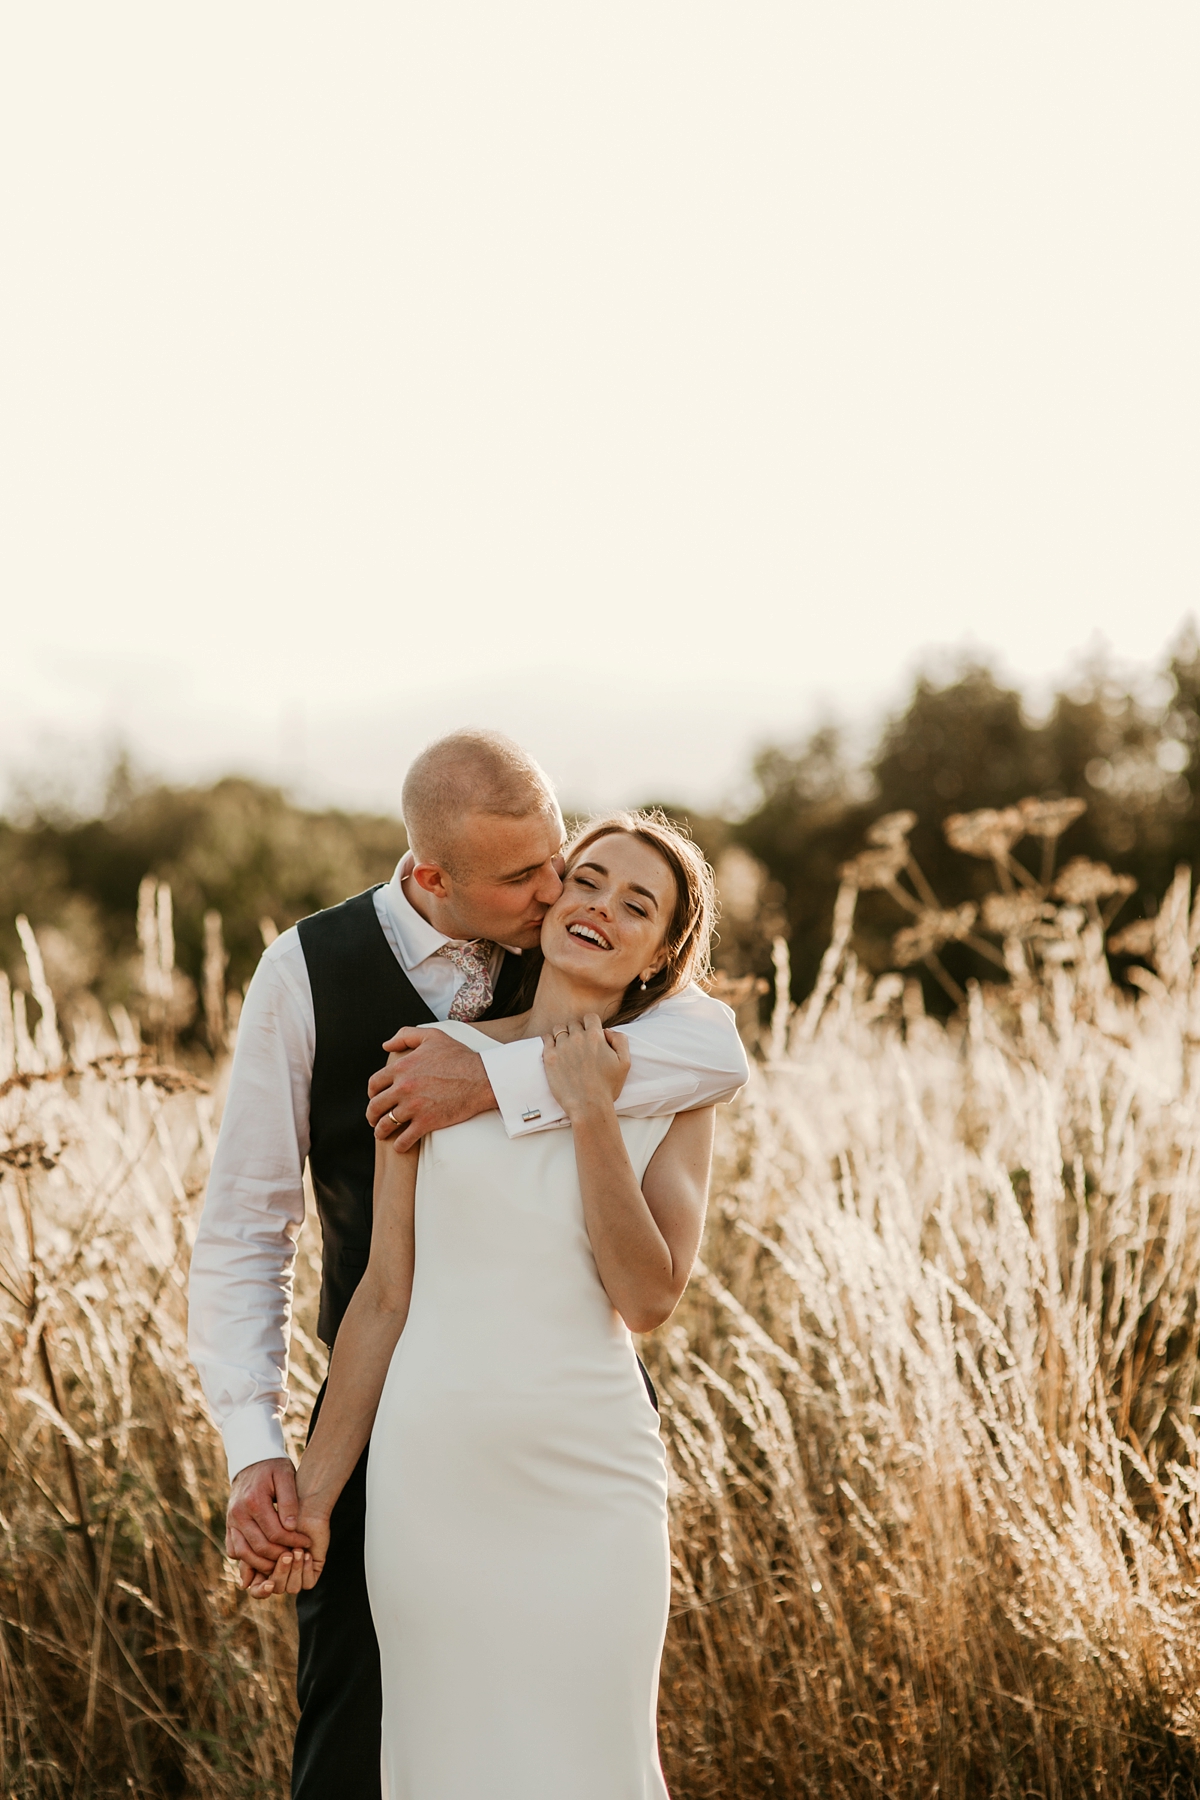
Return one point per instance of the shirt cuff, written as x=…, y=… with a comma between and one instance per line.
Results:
x=519, y=1083
x=252, y=1434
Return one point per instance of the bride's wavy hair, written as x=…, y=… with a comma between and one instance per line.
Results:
x=688, y=938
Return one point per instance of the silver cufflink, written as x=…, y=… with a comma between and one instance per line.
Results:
x=530, y=1114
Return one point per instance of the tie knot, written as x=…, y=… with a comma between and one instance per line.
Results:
x=473, y=961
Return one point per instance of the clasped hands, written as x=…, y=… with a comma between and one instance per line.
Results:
x=278, y=1536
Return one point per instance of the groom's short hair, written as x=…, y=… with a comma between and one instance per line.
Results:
x=469, y=772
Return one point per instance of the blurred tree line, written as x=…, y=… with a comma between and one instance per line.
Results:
x=238, y=846
x=961, y=742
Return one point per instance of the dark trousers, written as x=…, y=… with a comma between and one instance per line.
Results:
x=337, y=1674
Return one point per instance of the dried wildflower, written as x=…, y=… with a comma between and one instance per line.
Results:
x=1137, y=939
x=875, y=868
x=932, y=929
x=986, y=833
x=1015, y=915
x=1084, y=881
x=1049, y=818
x=892, y=830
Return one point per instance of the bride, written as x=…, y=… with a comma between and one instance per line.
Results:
x=516, y=1545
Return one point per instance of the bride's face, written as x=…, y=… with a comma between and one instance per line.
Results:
x=609, y=925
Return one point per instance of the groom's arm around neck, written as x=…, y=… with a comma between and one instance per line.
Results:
x=685, y=1053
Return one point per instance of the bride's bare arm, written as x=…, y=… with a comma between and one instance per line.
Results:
x=644, y=1237
x=366, y=1339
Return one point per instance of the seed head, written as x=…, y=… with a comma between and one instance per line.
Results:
x=1083, y=880
x=892, y=830
x=1049, y=818
x=987, y=833
x=875, y=868
x=932, y=929
x=1015, y=915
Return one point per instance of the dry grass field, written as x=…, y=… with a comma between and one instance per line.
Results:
x=931, y=1402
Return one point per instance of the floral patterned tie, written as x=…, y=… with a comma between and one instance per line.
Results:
x=474, y=962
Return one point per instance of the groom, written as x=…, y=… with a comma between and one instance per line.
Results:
x=442, y=940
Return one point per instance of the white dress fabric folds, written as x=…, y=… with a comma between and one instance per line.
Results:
x=516, y=1542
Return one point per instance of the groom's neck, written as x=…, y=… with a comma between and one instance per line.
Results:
x=435, y=911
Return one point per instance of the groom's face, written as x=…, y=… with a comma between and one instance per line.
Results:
x=507, y=874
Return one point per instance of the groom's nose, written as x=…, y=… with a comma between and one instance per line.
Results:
x=550, y=884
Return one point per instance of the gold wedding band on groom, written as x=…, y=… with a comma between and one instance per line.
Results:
x=392, y=1116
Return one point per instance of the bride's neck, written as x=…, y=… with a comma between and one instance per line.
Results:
x=558, y=1000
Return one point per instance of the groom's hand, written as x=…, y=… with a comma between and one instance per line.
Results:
x=297, y=1570
x=431, y=1081
x=262, y=1516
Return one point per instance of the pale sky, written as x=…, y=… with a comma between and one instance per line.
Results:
x=647, y=379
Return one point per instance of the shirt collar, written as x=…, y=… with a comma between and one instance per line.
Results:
x=416, y=939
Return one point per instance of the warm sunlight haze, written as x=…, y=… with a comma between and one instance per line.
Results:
x=719, y=357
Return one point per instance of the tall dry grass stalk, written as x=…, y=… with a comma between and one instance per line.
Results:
x=930, y=1403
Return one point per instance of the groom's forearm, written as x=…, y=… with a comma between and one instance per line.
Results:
x=240, y=1282
x=431, y=1081
x=239, y=1301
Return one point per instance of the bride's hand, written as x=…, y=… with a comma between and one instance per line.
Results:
x=584, y=1064
x=298, y=1569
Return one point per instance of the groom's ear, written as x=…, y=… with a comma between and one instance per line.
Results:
x=432, y=879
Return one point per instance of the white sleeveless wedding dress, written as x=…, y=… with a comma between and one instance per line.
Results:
x=516, y=1543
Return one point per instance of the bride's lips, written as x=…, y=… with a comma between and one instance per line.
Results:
x=585, y=933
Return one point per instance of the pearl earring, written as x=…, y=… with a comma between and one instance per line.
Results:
x=643, y=987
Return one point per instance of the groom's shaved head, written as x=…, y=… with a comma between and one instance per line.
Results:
x=464, y=773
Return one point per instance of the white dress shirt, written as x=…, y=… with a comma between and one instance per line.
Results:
x=684, y=1053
